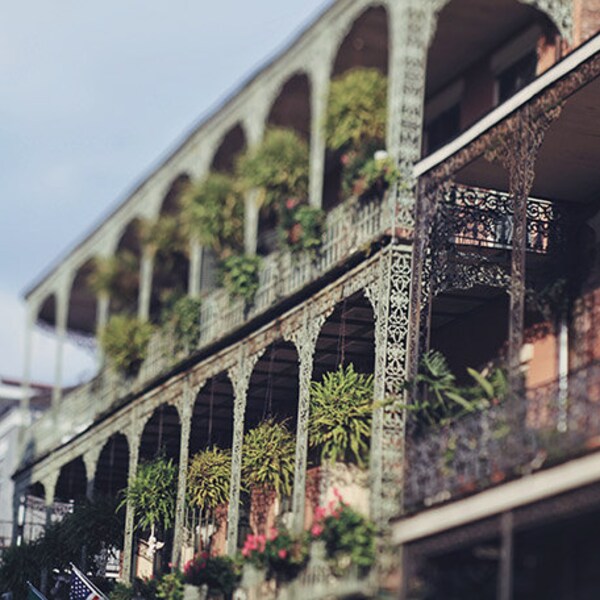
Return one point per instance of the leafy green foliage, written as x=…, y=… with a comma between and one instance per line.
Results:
x=349, y=537
x=551, y=301
x=164, y=235
x=445, y=400
x=125, y=341
x=239, y=276
x=117, y=276
x=278, y=167
x=183, y=316
x=268, y=457
x=357, y=109
x=301, y=226
x=170, y=586
x=152, y=493
x=121, y=591
x=216, y=572
x=341, y=407
x=208, y=479
x=18, y=565
x=214, y=210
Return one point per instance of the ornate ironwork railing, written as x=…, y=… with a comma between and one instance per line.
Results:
x=553, y=423
x=472, y=216
x=348, y=228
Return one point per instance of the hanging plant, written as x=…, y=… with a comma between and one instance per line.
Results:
x=152, y=494
x=208, y=479
x=239, y=274
x=183, y=317
x=278, y=167
x=214, y=212
x=117, y=276
x=341, y=407
x=301, y=226
x=164, y=234
x=268, y=457
x=356, y=110
x=124, y=342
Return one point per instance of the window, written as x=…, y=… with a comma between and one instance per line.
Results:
x=444, y=128
x=517, y=76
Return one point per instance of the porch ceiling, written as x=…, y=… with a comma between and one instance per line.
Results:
x=567, y=166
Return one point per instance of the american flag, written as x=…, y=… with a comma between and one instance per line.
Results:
x=82, y=588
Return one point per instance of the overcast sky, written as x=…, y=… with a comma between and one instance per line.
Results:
x=92, y=94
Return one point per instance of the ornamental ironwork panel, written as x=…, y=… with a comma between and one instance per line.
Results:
x=484, y=218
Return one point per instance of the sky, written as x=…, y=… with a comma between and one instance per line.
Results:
x=92, y=95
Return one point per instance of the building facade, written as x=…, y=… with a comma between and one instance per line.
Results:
x=493, y=121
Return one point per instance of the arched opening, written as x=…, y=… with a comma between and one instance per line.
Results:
x=290, y=110
x=161, y=439
x=47, y=312
x=161, y=435
x=34, y=516
x=83, y=302
x=171, y=261
x=112, y=468
x=232, y=145
x=272, y=398
x=211, y=431
x=71, y=486
x=366, y=46
x=344, y=364
x=125, y=284
x=482, y=54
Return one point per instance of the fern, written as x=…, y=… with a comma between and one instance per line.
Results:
x=341, y=407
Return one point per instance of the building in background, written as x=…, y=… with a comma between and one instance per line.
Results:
x=483, y=249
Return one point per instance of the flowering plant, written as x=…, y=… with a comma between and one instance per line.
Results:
x=301, y=226
x=348, y=536
x=368, y=172
x=280, y=553
x=216, y=572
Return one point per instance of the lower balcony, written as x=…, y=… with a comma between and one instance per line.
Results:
x=547, y=425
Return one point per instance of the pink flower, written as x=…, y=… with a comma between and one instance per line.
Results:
x=273, y=533
x=337, y=494
x=245, y=552
x=316, y=530
x=282, y=553
x=291, y=203
x=319, y=513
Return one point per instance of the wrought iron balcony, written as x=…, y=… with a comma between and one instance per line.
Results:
x=482, y=218
x=553, y=423
x=349, y=228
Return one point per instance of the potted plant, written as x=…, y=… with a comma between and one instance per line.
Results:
x=208, y=481
x=170, y=586
x=182, y=317
x=301, y=226
x=152, y=494
x=267, y=470
x=239, y=274
x=277, y=167
x=341, y=407
x=117, y=277
x=124, y=341
x=214, y=212
x=217, y=574
x=348, y=536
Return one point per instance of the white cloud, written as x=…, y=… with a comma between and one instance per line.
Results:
x=79, y=364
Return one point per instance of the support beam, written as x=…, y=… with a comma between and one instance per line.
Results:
x=505, y=567
x=251, y=212
x=145, y=291
x=318, y=104
x=195, y=274
x=134, y=439
x=28, y=354
x=239, y=375
x=305, y=340
x=62, y=312
x=186, y=406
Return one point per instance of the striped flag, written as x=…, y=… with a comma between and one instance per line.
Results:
x=82, y=588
